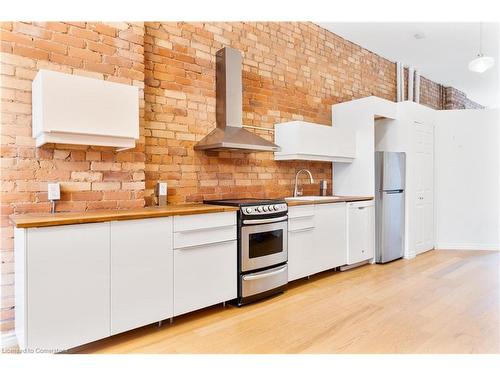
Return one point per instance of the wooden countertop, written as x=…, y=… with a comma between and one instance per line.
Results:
x=98, y=216
x=334, y=199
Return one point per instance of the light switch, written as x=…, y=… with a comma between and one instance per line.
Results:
x=54, y=191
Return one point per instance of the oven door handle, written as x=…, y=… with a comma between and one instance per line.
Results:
x=263, y=274
x=265, y=221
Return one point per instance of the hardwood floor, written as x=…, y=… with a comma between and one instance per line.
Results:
x=439, y=302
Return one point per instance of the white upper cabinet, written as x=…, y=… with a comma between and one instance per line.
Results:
x=301, y=140
x=84, y=111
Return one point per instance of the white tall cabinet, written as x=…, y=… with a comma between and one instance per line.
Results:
x=423, y=198
x=413, y=133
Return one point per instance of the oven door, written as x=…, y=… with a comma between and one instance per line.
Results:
x=263, y=245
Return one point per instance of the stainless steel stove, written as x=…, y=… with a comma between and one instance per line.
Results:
x=262, y=246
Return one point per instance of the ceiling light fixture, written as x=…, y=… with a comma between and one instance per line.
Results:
x=481, y=63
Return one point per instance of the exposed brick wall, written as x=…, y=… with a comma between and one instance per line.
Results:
x=431, y=93
x=291, y=71
x=456, y=99
x=91, y=177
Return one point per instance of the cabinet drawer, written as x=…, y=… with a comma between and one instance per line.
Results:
x=361, y=204
x=301, y=211
x=300, y=223
x=195, y=222
x=196, y=237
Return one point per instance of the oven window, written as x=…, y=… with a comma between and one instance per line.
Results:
x=265, y=243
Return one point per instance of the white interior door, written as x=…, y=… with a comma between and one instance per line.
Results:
x=424, y=199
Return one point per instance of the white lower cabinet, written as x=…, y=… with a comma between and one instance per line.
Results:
x=141, y=272
x=83, y=282
x=360, y=224
x=300, y=257
x=330, y=238
x=300, y=241
x=204, y=275
x=205, y=261
x=316, y=239
x=66, y=299
x=329, y=235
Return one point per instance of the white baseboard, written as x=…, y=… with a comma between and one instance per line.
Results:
x=8, y=340
x=466, y=246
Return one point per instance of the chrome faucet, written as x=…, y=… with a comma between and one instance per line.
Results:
x=296, y=191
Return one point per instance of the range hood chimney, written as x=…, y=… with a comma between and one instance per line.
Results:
x=229, y=134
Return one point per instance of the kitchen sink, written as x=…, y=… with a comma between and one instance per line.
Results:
x=310, y=198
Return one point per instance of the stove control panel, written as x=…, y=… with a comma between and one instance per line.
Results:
x=264, y=209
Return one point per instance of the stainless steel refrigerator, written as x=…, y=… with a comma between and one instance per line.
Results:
x=389, y=205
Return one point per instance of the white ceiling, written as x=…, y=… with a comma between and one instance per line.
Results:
x=442, y=55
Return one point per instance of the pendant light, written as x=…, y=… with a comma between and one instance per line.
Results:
x=481, y=63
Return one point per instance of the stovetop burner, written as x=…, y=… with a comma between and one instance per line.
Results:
x=243, y=201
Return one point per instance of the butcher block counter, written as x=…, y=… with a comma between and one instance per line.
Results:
x=334, y=199
x=64, y=218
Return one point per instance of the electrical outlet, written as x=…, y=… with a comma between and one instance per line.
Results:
x=54, y=191
x=162, y=188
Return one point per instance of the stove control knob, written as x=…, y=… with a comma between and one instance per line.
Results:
x=259, y=209
x=277, y=207
x=270, y=208
x=265, y=208
x=248, y=210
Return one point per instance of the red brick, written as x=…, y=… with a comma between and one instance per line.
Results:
x=31, y=30
x=32, y=53
x=97, y=67
x=69, y=40
x=66, y=60
x=130, y=36
x=51, y=46
x=54, y=26
x=84, y=54
x=84, y=33
x=103, y=29
x=17, y=38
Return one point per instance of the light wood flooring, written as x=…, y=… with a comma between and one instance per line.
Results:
x=439, y=302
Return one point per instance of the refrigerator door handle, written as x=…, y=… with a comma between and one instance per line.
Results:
x=392, y=191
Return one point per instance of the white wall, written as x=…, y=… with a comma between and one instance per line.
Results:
x=467, y=179
x=358, y=177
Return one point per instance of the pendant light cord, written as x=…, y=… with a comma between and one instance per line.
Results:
x=480, y=39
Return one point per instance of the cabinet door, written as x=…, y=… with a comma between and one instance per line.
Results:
x=141, y=272
x=301, y=253
x=424, y=200
x=330, y=240
x=360, y=232
x=204, y=275
x=67, y=285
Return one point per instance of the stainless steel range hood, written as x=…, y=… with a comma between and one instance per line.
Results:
x=229, y=135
